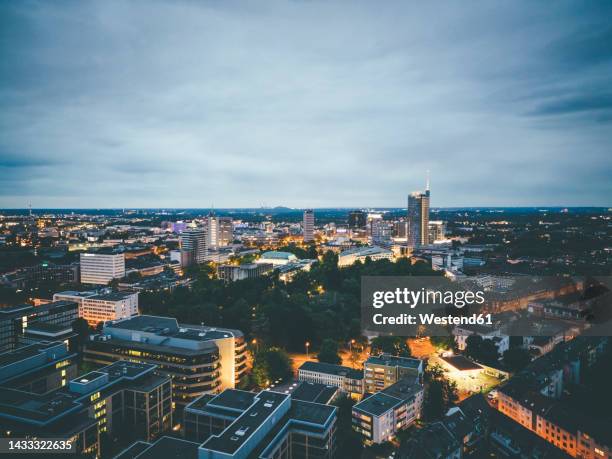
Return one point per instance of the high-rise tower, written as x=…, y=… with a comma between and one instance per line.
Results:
x=418, y=217
x=308, y=225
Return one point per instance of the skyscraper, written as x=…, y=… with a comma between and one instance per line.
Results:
x=308, y=225
x=226, y=231
x=194, y=246
x=212, y=234
x=418, y=217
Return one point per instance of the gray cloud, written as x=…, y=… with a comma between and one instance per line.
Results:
x=304, y=103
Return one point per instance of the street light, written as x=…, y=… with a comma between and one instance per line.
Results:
x=256, y=344
x=307, y=346
x=351, y=345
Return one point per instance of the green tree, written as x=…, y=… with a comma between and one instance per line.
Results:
x=271, y=364
x=394, y=345
x=328, y=352
x=443, y=342
x=481, y=350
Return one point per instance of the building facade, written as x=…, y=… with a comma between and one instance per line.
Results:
x=380, y=416
x=99, y=268
x=347, y=379
x=125, y=399
x=308, y=225
x=418, y=218
x=200, y=360
x=97, y=307
x=385, y=370
x=194, y=246
x=15, y=320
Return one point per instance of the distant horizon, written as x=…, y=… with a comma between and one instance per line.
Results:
x=364, y=208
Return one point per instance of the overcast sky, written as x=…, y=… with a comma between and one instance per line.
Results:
x=304, y=103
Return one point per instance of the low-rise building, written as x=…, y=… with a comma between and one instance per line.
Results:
x=96, y=307
x=277, y=258
x=380, y=416
x=15, y=320
x=383, y=370
x=347, y=379
x=232, y=273
x=349, y=257
x=38, y=368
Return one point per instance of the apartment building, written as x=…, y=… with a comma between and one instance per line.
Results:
x=347, y=379
x=384, y=370
x=380, y=416
x=532, y=399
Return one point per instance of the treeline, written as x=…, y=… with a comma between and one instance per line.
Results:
x=323, y=303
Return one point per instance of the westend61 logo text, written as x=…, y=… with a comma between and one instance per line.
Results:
x=413, y=298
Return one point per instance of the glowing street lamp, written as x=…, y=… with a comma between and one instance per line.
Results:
x=307, y=347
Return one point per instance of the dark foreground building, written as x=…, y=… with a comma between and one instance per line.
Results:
x=125, y=400
x=239, y=424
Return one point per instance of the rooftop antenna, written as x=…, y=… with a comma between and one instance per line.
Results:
x=427, y=185
x=30, y=208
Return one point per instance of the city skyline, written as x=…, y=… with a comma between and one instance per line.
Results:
x=303, y=104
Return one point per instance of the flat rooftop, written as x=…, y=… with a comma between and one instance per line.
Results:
x=168, y=326
x=461, y=363
x=393, y=361
x=314, y=392
x=170, y=448
x=377, y=404
x=331, y=369
x=243, y=428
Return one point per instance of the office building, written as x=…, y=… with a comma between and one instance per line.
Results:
x=380, y=416
x=43, y=272
x=97, y=307
x=212, y=231
x=38, y=368
x=357, y=219
x=385, y=370
x=240, y=424
x=350, y=256
x=348, y=380
x=101, y=267
x=418, y=218
x=125, y=398
x=308, y=225
x=437, y=231
x=200, y=360
x=226, y=231
x=194, y=246
x=380, y=231
x=14, y=321
x=232, y=273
